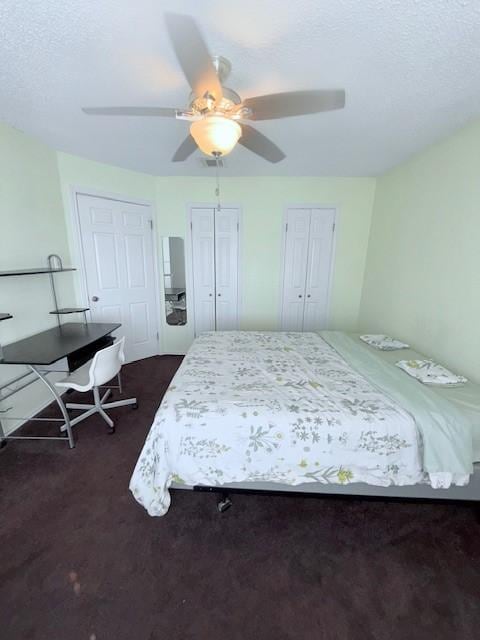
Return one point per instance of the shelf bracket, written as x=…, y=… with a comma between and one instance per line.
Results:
x=54, y=262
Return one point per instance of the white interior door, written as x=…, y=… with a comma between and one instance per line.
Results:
x=203, y=264
x=318, y=269
x=226, y=269
x=295, y=268
x=117, y=242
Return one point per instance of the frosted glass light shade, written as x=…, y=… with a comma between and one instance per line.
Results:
x=215, y=134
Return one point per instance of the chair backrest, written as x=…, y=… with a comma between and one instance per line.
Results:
x=107, y=363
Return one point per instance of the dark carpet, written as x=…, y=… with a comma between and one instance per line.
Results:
x=81, y=560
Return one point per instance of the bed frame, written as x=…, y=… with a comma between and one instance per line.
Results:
x=359, y=490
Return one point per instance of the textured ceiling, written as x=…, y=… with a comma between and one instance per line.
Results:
x=411, y=70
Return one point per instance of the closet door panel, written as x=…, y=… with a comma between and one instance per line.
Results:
x=296, y=255
x=203, y=262
x=318, y=269
x=226, y=269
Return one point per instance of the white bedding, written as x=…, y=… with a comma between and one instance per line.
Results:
x=281, y=407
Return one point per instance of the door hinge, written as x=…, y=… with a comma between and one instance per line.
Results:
x=238, y=227
x=191, y=225
x=158, y=336
x=151, y=224
x=333, y=228
x=286, y=227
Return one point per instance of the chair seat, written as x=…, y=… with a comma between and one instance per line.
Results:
x=78, y=380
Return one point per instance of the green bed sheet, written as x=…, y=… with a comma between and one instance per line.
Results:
x=465, y=398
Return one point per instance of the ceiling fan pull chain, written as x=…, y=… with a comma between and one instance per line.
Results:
x=217, y=181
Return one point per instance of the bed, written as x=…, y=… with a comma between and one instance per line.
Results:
x=316, y=412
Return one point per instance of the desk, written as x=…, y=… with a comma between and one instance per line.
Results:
x=174, y=294
x=72, y=344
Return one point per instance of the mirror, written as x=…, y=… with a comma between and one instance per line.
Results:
x=174, y=281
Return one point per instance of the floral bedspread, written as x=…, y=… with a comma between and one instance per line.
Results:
x=273, y=406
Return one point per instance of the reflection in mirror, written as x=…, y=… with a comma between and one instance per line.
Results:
x=174, y=281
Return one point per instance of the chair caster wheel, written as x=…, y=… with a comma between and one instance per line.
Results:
x=135, y=406
x=111, y=430
x=224, y=504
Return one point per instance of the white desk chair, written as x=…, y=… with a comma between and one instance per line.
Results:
x=106, y=364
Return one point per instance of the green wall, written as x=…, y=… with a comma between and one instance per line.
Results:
x=32, y=225
x=80, y=173
x=83, y=173
x=263, y=201
x=422, y=280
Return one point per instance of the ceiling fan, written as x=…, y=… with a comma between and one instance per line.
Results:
x=214, y=110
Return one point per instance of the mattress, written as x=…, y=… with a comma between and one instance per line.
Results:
x=277, y=407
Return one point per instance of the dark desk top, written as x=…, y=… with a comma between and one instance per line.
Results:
x=54, y=344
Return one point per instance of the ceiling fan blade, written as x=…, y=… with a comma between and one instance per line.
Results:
x=193, y=55
x=185, y=150
x=255, y=141
x=131, y=111
x=294, y=103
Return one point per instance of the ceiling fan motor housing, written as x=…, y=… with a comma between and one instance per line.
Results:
x=223, y=67
x=230, y=99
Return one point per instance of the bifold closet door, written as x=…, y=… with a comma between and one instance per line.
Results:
x=318, y=269
x=203, y=264
x=226, y=269
x=308, y=256
x=296, y=256
x=215, y=269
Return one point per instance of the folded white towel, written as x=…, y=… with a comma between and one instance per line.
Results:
x=385, y=343
x=430, y=372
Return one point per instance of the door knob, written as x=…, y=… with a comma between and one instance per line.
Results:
x=210, y=294
x=95, y=298
x=308, y=295
x=299, y=295
x=219, y=294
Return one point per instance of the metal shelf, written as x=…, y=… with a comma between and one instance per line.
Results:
x=67, y=310
x=30, y=272
x=54, y=266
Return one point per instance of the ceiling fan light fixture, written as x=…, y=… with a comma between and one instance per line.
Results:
x=215, y=134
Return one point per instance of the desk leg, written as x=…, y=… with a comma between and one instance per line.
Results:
x=56, y=395
x=3, y=441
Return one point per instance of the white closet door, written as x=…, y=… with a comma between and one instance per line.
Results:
x=117, y=244
x=318, y=269
x=203, y=263
x=226, y=269
x=296, y=255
